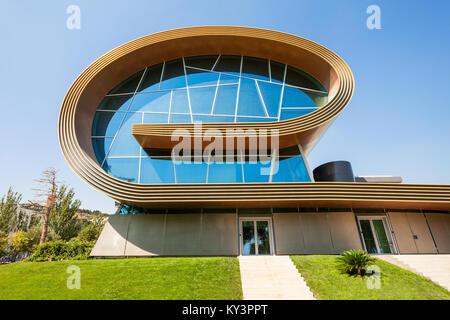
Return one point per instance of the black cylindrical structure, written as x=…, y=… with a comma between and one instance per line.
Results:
x=340, y=171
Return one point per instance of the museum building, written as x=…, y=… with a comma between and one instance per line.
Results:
x=247, y=105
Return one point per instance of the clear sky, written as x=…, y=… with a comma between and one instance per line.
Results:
x=397, y=123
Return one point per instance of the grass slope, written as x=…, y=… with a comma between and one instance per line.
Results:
x=147, y=278
x=327, y=282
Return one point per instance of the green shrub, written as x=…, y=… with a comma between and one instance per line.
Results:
x=90, y=233
x=355, y=262
x=62, y=250
x=3, y=244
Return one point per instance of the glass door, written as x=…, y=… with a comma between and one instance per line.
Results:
x=376, y=235
x=256, y=237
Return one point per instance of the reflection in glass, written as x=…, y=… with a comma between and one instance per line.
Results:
x=248, y=237
x=151, y=79
x=250, y=103
x=262, y=230
x=116, y=103
x=380, y=232
x=129, y=85
x=106, y=123
x=162, y=97
x=151, y=102
x=125, y=144
x=173, y=75
x=157, y=170
x=202, y=99
x=101, y=147
x=123, y=168
x=369, y=239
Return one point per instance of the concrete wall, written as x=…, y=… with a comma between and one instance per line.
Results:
x=168, y=235
x=315, y=233
x=411, y=232
x=440, y=228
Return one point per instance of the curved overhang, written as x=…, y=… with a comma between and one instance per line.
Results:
x=85, y=94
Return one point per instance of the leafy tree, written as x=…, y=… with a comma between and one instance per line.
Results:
x=19, y=243
x=93, y=230
x=34, y=234
x=3, y=244
x=8, y=210
x=62, y=218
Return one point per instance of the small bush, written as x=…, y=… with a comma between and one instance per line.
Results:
x=62, y=250
x=355, y=262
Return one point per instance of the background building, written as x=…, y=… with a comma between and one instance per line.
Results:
x=116, y=131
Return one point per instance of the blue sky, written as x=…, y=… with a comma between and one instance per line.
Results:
x=398, y=121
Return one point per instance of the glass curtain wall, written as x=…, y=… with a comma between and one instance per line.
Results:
x=217, y=89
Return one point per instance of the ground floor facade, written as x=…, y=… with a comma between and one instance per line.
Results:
x=233, y=232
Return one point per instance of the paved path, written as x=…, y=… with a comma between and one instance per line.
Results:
x=435, y=267
x=272, y=278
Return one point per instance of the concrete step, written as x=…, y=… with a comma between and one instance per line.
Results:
x=272, y=278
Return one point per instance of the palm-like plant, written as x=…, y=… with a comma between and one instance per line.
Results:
x=355, y=261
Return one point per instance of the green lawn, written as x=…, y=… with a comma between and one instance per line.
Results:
x=326, y=282
x=147, y=278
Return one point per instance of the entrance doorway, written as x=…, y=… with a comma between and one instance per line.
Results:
x=376, y=234
x=255, y=236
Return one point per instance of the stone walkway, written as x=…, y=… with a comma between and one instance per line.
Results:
x=272, y=278
x=435, y=267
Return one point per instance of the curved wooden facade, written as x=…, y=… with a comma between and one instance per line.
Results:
x=85, y=94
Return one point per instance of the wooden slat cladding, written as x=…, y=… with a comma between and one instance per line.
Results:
x=81, y=101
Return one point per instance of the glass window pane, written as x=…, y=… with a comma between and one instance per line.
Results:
x=255, y=68
x=229, y=64
x=369, y=240
x=191, y=172
x=298, y=78
x=228, y=79
x=180, y=118
x=129, y=85
x=383, y=242
x=248, y=237
x=226, y=100
x=151, y=79
x=202, y=99
x=156, y=118
x=213, y=119
x=123, y=168
x=116, y=103
x=294, y=113
x=249, y=100
x=198, y=78
x=106, y=123
x=157, y=170
x=271, y=94
x=262, y=230
x=203, y=62
x=277, y=71
x=125, y=144
x=290, y=169
x=250, y=119
x=225, y=172
x=101, y=147
x=173, y=76
x=180, y=103
x=256, y=172
x=153, y=101
x=296, y=98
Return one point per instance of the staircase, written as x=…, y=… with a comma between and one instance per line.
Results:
x=435, y=267
x=272, y=278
